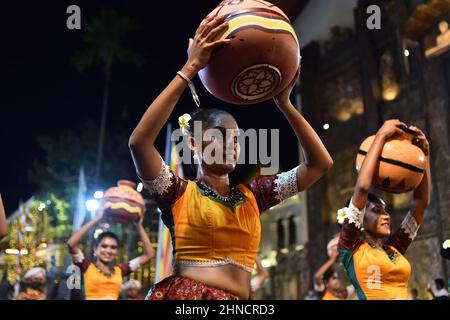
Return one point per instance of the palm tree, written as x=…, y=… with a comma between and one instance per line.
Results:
x=104, y=38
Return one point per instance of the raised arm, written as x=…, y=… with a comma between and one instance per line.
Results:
x=78, y=235
x=262, y=273
x=365, y=177
x=421, y=196
x=145, y=156
x=149, y=253
x=319, y=285
x=349, y=238
x=270, y=190
x=317, y=159
x=403, y=237
x=3, y=223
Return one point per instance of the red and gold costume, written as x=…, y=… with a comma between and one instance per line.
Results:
x=99, y=286
x=181, y=288
x=208, y=230
x=377, y=274
x=31, y=294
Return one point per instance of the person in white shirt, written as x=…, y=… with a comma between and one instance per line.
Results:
x=439, y=291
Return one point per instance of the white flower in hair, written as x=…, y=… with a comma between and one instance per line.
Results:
x=342, y=214
x=183, y=122
x=446, y=244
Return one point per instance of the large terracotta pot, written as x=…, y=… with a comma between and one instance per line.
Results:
x=401, y=167
x=262, y=58
x=124, y=203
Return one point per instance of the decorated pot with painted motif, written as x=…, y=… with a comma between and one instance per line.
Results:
x=123, y=202
x=401, y=167
x=262, y=58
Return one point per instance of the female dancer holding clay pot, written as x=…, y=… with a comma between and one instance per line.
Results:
x=215, y=226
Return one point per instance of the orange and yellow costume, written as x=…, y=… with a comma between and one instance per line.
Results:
x=376, y=273
x=210, y=230
x=99, y=286
x=203, y=236
x=329, y=296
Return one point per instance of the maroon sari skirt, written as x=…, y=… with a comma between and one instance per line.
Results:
x=180, y=288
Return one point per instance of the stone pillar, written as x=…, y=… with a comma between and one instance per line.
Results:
x=371, y=89
x=310, y=89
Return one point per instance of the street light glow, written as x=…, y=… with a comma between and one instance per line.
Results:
x=98, y=194
x=92, y=205
x=23, y=252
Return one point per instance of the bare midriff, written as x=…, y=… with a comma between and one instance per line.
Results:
x=228, y=277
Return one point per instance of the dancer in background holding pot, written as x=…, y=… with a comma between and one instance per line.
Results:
x=103, y=278
x=380, y=271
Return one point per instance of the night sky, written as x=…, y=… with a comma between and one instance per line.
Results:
x=43, y=94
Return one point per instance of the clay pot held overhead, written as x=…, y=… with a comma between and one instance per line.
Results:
x=262, y=58
x=402, y=164
x=123, y=203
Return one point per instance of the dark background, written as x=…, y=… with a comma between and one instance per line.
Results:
x=43, y=94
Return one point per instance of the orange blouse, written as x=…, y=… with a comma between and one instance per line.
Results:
x=329, y=296
x=99, y=286
x=376, y=273
x=207, y=230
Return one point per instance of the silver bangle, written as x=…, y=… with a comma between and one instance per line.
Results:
x=191, y=87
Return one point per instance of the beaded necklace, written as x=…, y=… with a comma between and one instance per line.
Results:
x=235, y=198
x=106, y=274
x=392, y=255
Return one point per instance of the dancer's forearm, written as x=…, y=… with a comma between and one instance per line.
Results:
x=322, y=270
x=155, y=117
x=3, y=222
x=145, y=156
x=78, y=235
x=149, y=253
x=367, y=172
x=369, y=166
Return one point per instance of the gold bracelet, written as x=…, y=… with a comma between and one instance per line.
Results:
x=191, y=87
